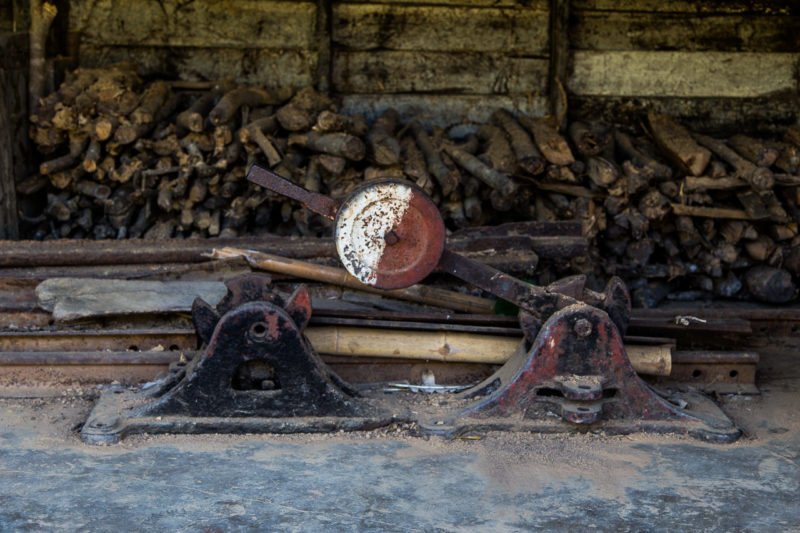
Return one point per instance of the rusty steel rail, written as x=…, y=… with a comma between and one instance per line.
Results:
x=86, y=351
x=90, y=340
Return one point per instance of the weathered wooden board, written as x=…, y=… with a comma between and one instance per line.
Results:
x=682, y=74
x=534, y=4
x=398, y=72
x=601, y=30
x=765, y=7
x=513, y=30
x=264, y=67
x=75, y=298
x=443, y=110
x=724, y=116
x=203, y=23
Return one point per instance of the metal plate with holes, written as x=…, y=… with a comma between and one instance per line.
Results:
x=389, y=234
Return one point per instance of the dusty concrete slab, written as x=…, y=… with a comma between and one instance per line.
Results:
x=390, y=481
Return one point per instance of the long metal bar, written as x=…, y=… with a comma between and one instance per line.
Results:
x=319, y=203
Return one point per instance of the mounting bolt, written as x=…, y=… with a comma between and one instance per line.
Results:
x=583, y=327
x=391, y=238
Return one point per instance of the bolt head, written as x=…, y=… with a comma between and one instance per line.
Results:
x=583, y=327
x=391, y=238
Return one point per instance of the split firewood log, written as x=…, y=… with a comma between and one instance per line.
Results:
x=584, y=139
x=447, y=180
x=232, y=100
x=302, y=110
x=761, y=179
x=754, y=150
x=414, y=164
x=497, y=150
x=625, y=145
x=529, y=158
x=384, y=146
x=551, y=144
x=78, y=142
x=677, y=144
x=497, y=180
x=337, y=144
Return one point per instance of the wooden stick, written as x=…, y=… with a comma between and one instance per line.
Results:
x=703, y=183
x=497, y=180
x=709, y=212
x=444, y=176
x=338, y=276
x=42, y=15
x=452, y=347
x=761, y=179
x=338, y=144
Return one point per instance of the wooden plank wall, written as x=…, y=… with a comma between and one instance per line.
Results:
x=267, y=43
x=716, y=65
x=713, y=63
x=457, y=60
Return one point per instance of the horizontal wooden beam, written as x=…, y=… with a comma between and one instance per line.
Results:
x=206, y=23
x=513, y=30
x=405, y=72
x=443, y=109
x=772, y=7
x=602, y=30
x=682, y=74
x=268, y=68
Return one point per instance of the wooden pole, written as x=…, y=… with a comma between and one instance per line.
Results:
x=8, y=195
x=338, y=276
x=453, y=347
x=559, y=56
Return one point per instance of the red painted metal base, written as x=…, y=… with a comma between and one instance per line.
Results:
x=577, y=376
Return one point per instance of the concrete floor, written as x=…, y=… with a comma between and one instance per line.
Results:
x=389, y=481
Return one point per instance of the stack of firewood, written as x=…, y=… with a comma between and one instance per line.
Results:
x=124, y=158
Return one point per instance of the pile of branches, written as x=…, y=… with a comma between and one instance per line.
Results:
x=672, y=211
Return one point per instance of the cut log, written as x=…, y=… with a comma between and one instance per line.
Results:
x=709, y=212
x=625, y=145
x=384, y=147
x=337, y=144
x=754, y=150
x=529, y=158
x=551, y=144
x=770, y=285
x=447, y=180
x=677, y=144
x=497, y=150
x=498, y=181
x=584, y=139
x=761, y=179
x=302, y=110
x=230, y=103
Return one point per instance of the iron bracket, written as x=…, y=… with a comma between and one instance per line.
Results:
x=258, y=374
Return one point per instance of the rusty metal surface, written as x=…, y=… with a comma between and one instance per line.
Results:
x=577, y=369
x=723, y=372
x=257, y=374
x=389, y=235
x=86, y=340
x=319, y=203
